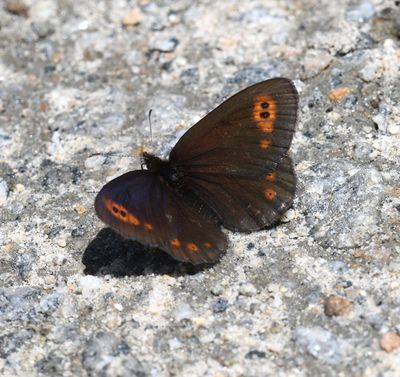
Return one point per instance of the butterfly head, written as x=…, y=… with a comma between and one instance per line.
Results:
x=161, y=167
x=149, y=161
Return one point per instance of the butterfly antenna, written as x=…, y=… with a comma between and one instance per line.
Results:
x=151, y=129
x=109, y=155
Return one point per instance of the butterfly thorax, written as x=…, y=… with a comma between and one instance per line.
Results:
x=162, y=168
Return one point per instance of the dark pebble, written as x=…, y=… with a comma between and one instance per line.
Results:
x=78, y=232
x=220, y=305
x=254, y=354
x=250, y=246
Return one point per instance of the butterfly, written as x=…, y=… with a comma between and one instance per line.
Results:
x=230, y=169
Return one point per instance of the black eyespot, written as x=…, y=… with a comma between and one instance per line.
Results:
x=122, y=213
x=264, y=114
x=265, y=105
x=115, y=209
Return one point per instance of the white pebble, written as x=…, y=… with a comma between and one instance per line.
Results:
x=3, y=192
x=183, y=311
x=371, y=71
x=394, y=128
x=119, y=307
x=247, y=289
x=88, y=284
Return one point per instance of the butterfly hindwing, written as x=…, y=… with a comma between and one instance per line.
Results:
x=140, y=205
x=235, y=158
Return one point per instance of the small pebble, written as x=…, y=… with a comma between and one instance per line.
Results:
x=347, y=284
x=361, y=11
x=390, y=341
x=350, y=101
x=3, y=192
x=62, y=242
x=336, y=306
x=165, y=45
x=79, y=209
x=226, y=43
x=371, y=71
x=320, y=343
x=88, y=284
x=183, y=311
x=43, y=29
x=56, y=57
x=113, y=322
x=288, y=216
x=338, y=266
x=17, y=7
x=7, y=248
x=72, y=287
x=199, y=321
x=119, y=307
x=247, y=289
x=19, y=188
x=78, y=232
x=174, y=344
x=44, y=106
x=220, y=305
x=50, y=279
x=336, y=95
x=376, y=321
x=132, y=18
x=393, y=128
x=55, y=231
x=250, y=246
x=380, y=121
x=216, y=290
x=255, y=354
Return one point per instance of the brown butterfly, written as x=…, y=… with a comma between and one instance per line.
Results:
x=231, y=169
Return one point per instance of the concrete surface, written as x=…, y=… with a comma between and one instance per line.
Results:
x=318, y=295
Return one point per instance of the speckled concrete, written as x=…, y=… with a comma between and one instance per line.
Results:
x=317, y=295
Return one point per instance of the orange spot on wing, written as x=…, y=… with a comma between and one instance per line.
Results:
x=175, y=242
x=120, y=212
x=266, y=127
x=148, y=226
x=265, y=143
x=265, y=113
x=271, y=177
x=133, y=219
x=192, y=246
x=207, y=244
x=270, y=193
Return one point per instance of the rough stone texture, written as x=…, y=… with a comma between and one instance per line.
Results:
x=77, y=81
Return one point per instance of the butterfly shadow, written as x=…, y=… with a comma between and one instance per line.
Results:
x=110, y=254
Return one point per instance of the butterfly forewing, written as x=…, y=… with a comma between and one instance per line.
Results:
x=235, y=159
x=249, y=133
x=140, y=205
